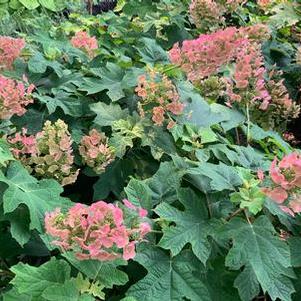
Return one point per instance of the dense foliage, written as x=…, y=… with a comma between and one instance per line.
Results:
x=149, y=150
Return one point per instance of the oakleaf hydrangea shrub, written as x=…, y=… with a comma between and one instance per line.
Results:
x=101, y=231
x=184, y=118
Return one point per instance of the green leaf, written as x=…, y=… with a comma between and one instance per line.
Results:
x=30, y=4
x=264, y=257
x=169, y=279
x=50, y=4
x=285, y=14
x=191, y=225
x=38, y=64
x=38, y=196
x=210, y=177
x=295, y=247
x=111, y=80
x=139, y=194
x=164, y=183
x=159, y=141
x=125, y=131
x=107, y=273
x=70, y=105
x=5, y=154
x=13, y=295
x=62, y=292
x=35, y=280
x=152, y=53
x=113, y=179
x=107, y=114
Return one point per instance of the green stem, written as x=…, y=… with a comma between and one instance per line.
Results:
x=248, y=123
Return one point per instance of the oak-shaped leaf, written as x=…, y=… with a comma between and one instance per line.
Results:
x=264, y=257
x=169, y=278
x=106, y=272
x=191, y=225
x=38, y=196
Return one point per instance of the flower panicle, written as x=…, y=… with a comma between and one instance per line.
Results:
x=99, y=231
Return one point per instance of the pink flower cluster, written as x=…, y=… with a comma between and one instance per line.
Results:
x=205, y=55
x=10, y=49
x=248, y=82
x=286, y=183
x=85, y=42
x=95, y=151
x=160, y=97
x=99, y=231
x=24, y=145
x=209, y=14
x=48, y=154
x=14, y=97
x=264, y=3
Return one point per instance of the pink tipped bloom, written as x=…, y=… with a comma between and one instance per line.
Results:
x=10, y=49
x=84, y=41
x=14, y=97
x=97, y=231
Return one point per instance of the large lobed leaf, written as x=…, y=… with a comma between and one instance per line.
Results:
x=264, y=257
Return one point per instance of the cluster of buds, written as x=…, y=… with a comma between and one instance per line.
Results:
x=209, y=14
x=101, y=231
x=14, y=97
x=159, y=97
x=285, y=190
x=48, y=154
x=85, y=42
x=10, y=49
x=95, y=151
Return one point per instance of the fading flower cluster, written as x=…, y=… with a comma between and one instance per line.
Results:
x=206, y=55
x=99, y=231
x=209, y=14
x=159, y=97
x=248, y=83
x=95, y=151
x=286, y=183
x=48, y=154
x=282, y=105
x=14, y=97
x=10, y=49
x=85, y=42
